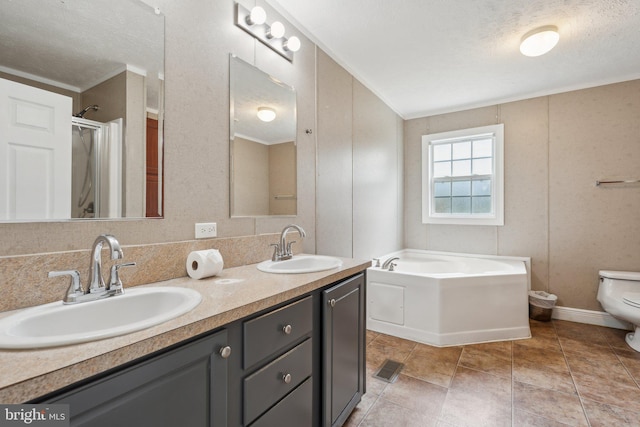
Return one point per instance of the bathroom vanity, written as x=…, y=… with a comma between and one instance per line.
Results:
x=291, y=353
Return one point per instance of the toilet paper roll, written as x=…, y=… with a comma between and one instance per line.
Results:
x=207, y=263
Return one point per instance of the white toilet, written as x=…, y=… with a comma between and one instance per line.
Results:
x=619, y=294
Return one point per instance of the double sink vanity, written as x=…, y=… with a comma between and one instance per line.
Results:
x=251, y=346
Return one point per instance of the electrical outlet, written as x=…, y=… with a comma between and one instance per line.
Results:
x=206, y=229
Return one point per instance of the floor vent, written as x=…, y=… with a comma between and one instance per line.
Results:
x=389, y=370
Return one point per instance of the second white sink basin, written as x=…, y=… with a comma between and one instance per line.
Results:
x=55, y=324
x=300, y=264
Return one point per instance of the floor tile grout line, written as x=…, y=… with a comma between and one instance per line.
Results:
x=513, y=387
x=575, y=384
x=633, y=378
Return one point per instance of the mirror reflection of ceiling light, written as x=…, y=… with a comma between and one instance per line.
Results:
x=266, y=114
x=539, y=41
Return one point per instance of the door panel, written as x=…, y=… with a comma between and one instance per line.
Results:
x=35, y=153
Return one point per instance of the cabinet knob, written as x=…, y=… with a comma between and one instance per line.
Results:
x=287, y=329
x=286, y=378
x=225, y=352
x=332, y=302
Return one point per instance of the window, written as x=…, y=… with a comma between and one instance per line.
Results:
x=462, y=176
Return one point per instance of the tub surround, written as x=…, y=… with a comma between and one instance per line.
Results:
x=236, y=293
x=444, y=298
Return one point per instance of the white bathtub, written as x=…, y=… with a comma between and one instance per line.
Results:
x=442, y=298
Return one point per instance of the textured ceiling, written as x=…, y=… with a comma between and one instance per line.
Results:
x=78, y=43
x=425, y=57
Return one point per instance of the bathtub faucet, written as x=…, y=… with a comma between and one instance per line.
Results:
x=387, y=264
x=282, y=250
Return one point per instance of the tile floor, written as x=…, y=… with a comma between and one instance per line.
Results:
x=567, y=374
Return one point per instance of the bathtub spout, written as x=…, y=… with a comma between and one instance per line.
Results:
x=387, y=263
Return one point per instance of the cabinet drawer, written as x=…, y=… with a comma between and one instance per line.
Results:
x=266, y=386
x=294, y=410
x=270, y=332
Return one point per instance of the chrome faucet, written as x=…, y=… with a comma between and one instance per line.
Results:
x=387, y=264
x=95, y=268
x=282, y=250
x=97, y=288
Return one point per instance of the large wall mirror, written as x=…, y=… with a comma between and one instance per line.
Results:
x=263, y=143
x=81, y=110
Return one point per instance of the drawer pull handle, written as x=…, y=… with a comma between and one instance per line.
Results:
x=287, y=329
x=332, y=302
x=286, y=378
x=225, y=352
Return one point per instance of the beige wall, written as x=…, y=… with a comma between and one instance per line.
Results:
x=200, y=35
x=556, y=147
x=282, y=179
x=250, y=177
x=359, y=210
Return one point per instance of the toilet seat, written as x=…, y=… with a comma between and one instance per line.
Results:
x=632, y=299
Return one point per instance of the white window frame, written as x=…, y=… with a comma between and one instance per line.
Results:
x=496, y=217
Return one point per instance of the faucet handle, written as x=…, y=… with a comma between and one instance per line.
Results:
x=276, y=251
x=75, y=289
x=377, y=264
x=289, y=247
x=115, y=284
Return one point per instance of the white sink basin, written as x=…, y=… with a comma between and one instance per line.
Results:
x=300, y=264
x=55, y=324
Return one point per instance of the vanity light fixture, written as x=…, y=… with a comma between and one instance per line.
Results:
x=257, y=16
x=254, y=22
x=266, y=114
x=276, y=30
x=292, y=45
x=539, y=41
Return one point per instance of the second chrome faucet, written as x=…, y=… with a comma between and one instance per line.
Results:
x=282, y=250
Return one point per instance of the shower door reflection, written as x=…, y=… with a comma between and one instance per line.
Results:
x=96, y=190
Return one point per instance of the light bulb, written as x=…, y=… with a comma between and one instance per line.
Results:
x=292, y=44
x=276, y=31
x=539, y=41
x=257, y=16
x=266, y=114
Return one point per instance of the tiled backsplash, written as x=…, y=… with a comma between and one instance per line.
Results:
x=24, y=280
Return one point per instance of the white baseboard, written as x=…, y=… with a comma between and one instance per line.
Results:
x=600, y=318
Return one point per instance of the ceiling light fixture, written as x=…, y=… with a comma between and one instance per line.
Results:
x=539, y=41
x=254, y=22
x=266, y=114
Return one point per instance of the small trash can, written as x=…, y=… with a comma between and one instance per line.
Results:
x=541, y=305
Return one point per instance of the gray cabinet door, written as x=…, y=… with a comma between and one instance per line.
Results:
x=183, y=387
x=343, y=347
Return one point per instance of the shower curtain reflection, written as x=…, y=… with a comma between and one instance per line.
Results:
x=96, y=188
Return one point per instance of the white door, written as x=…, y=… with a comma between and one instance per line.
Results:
x=35, y=153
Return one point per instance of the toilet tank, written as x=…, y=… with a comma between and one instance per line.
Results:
x=613, y=284
x=620, y=275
